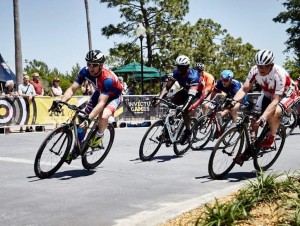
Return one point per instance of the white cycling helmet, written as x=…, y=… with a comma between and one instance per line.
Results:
x=264, y=57
x=182, y=60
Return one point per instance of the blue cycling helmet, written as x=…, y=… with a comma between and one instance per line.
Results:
x=227, y=74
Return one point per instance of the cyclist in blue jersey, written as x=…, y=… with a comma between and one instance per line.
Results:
x=106, y=98
x=229, y=86
x=189, y=80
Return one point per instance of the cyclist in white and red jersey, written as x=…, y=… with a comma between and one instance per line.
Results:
x=277, y=93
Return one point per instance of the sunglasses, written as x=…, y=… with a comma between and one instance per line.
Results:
x=93, y=64
x=262, y=66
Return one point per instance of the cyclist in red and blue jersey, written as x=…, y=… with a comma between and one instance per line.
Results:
x=107, y=97
x=229, y=86
x=189, y=80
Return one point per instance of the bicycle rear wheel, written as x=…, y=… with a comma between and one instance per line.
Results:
x=53, y=152
x=180, y=149
x=93, y=157
x=152, y=141
x=204, y=133
x=221, y=160
x=266, y=157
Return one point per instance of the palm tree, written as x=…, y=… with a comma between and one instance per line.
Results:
x=88, y=23
x=18, y=49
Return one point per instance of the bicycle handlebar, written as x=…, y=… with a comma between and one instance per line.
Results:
x=168, y=103
x=70, y=106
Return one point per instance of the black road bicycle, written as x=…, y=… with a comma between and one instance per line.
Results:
x=237, y=139
x=55, y=149
x=168, y=130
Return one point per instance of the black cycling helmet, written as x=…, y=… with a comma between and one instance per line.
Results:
x=298, y=78
x=199, y=66
x=95, y=56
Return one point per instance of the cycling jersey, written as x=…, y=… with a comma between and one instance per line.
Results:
x=231, y=90
x=209, y=81
x=187, y=81
x=83, y=75
x=106, y=83
x=277, y=81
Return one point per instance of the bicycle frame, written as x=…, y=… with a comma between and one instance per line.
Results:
x=177, y=122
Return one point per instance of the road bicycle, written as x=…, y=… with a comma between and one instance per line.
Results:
x=168, y=130
x=210, y=126
x=238, y=138
x=55, y=149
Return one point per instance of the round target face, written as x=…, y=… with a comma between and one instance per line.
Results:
x=6, y=111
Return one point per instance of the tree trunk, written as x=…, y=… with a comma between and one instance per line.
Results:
x=18, y=49
x=88, y=23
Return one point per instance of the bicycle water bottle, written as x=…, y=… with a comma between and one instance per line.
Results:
x=80, y=133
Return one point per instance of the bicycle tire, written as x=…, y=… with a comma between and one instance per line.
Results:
x=93, y=157
x=290, y=128
x=261, y=160
x=216, y=162
x=65, y=135
x=204, y=128
x=180, y=149
x=154, y=135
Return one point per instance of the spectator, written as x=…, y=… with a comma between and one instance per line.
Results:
x=87, y=88
x=26, y=90
x=124, y=92
x=9, y=89
x=56, y=89
x=37, y=84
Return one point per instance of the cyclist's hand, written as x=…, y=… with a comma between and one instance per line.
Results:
x=56, y=106
x=229, y=103
x=85, y=121
x=261, y=121
x=155, y=102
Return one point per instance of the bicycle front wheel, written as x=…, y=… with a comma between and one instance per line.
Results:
x=52, y=152
x=221, y=159
x=93, y=157
x=152, y=141
x=204, y=133
x=266, y=157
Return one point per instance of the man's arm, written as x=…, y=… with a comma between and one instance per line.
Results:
x=70, y=92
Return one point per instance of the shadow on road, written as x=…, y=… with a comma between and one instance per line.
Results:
x=68, y=174
x=162, y=158
x=232, y=177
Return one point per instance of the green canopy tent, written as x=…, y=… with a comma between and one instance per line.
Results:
x=133, y=71
x=134, y=68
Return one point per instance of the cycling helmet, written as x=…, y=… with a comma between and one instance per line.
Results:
x=95, y=56
x=227, y=74
x=199, y=66
x=182, y=60
x=264, y=57
x=298, y=78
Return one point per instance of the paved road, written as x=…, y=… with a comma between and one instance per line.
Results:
x=122, y=191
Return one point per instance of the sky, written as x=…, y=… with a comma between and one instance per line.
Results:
x=55, y=32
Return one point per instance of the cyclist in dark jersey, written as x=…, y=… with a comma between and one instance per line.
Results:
x=107, y=97
x=188, y=79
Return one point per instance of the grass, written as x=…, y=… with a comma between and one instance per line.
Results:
x=269, y=200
